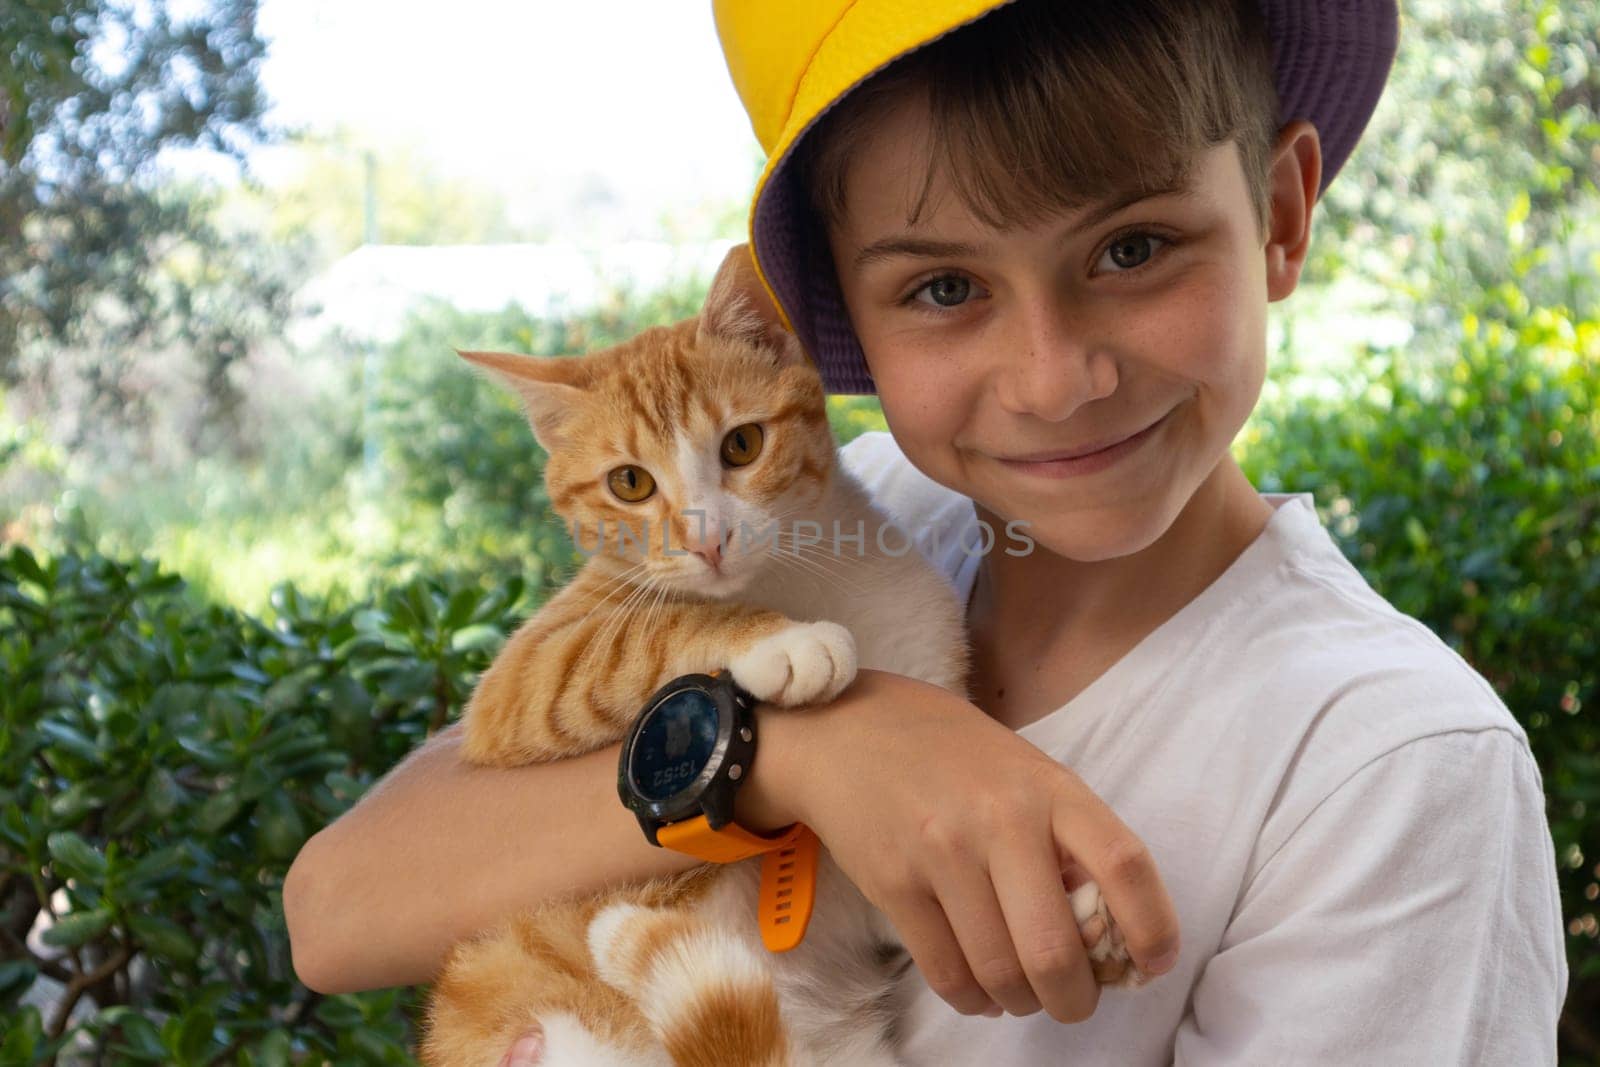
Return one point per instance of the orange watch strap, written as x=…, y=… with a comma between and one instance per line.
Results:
x=788, y=870
x=788, y=891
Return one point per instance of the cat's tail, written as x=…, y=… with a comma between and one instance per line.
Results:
x=709, y=996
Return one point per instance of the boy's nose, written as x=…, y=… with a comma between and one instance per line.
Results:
x=1051, y=369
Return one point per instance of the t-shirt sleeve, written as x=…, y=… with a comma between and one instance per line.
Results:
x=1412, y=917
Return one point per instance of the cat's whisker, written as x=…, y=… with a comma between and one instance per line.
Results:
x=615, y=584
x=812, y=565
x=808, y=567
x=796, y=547
x=614, y=622
x=790, y=540
x=663, y=594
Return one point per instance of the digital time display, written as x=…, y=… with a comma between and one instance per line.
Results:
x=673, y=744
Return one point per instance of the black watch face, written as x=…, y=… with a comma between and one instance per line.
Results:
x=673, y=744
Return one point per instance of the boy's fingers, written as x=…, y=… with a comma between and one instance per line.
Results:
x=1090, y=834
x=925, y=930
x=1045, y=931
x=967, y=895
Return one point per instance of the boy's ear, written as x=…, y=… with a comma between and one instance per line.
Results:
x=737, y=308
x=1293, y=181
x=550, y=388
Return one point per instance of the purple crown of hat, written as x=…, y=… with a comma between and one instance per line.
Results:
x=1330, y=61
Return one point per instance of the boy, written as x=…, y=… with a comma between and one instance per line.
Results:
x=1047, y=240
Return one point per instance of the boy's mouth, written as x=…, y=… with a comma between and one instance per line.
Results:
x=1085, y=459
x=1086, y=450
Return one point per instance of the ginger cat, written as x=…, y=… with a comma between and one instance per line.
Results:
x=722, y=415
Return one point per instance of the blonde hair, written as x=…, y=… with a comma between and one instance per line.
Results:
x=1044, y=106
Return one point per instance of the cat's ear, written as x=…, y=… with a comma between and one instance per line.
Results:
x=738, y=308
x=550, y=388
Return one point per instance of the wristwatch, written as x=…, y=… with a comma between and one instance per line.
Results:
x=683, y=759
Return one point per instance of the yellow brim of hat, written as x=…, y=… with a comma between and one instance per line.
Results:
x=791, y=61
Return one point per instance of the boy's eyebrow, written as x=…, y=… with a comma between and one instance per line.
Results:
x=906, y=245
x=928, y=248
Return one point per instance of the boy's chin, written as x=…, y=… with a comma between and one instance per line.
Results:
x=1093, y=535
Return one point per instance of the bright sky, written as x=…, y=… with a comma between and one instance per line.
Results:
x=538, y=99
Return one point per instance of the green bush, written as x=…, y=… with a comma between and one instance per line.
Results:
x=160, y=766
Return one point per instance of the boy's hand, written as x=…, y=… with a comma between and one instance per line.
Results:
x=960, y=832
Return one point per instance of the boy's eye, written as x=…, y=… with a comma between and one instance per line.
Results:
x=1129, y=251
x=947, y=292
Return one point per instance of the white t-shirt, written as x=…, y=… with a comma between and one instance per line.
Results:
x=1347, y=817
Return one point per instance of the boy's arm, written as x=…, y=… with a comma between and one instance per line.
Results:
x=1412, y=917
x=440, y=849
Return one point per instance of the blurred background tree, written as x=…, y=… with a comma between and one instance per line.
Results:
x=122, y=291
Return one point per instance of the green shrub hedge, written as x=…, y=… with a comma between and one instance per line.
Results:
x=160, y=766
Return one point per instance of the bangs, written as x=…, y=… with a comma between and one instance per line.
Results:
x=1041, y=108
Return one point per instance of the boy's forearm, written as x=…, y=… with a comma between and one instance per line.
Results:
x=441, y=849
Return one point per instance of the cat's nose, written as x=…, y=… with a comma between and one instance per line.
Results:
x=712, y=554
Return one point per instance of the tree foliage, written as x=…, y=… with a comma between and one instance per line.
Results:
x=105, y=265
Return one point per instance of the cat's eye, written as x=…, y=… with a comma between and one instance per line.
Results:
x=742, y=445
x=631, y=483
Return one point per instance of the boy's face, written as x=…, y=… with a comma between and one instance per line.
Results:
x=991, y=348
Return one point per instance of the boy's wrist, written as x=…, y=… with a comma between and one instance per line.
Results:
x=769, y=799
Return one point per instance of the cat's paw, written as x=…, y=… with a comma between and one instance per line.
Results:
x=806, y=663
x=1108, y=955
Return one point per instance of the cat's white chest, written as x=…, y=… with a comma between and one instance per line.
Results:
x=904, y=615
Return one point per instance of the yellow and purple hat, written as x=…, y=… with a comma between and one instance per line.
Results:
x=791, y=60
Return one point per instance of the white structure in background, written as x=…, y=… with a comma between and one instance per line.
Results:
x=366, y=296
x=362, y=301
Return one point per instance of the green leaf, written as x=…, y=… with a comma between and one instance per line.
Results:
x=340, y=1013
x=1520, y=206
x=144, y=1040
x=274, y=1049
x=164, y=937
x=71, y=740
x=286, y=694
x=23, y=1037
x=250, y=673
x=76, y=802
x=28, y=567
x=76, y=856
x=16, y=978
x=375, y=1047
x=196, y=1041
x=280, y=831
x=218, y=811
x=208, y=756
x=156, y=865
x=162, y=793
x=77, y=927
x=478, y=637
x=462, y=604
